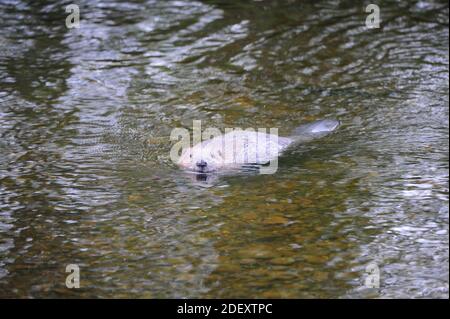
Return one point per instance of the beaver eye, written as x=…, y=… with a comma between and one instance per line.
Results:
x=190, y=155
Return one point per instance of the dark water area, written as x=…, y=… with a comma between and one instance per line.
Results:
x=86, y=178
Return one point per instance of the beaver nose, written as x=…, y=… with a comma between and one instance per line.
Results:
x=201, y=164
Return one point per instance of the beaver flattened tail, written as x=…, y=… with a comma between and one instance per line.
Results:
x=238, y=148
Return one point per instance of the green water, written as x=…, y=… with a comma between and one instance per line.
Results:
x=86, y=178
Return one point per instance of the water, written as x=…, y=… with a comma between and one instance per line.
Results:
x=86, y=178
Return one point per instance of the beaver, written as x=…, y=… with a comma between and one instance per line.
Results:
x=247, y=148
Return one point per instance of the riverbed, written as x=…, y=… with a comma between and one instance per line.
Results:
x=86, y=177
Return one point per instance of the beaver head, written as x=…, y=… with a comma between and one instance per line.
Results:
x=201, y=158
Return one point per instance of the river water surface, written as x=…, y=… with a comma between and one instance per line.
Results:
x=86, y=178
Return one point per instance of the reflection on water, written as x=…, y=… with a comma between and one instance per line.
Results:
x=85, y=176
